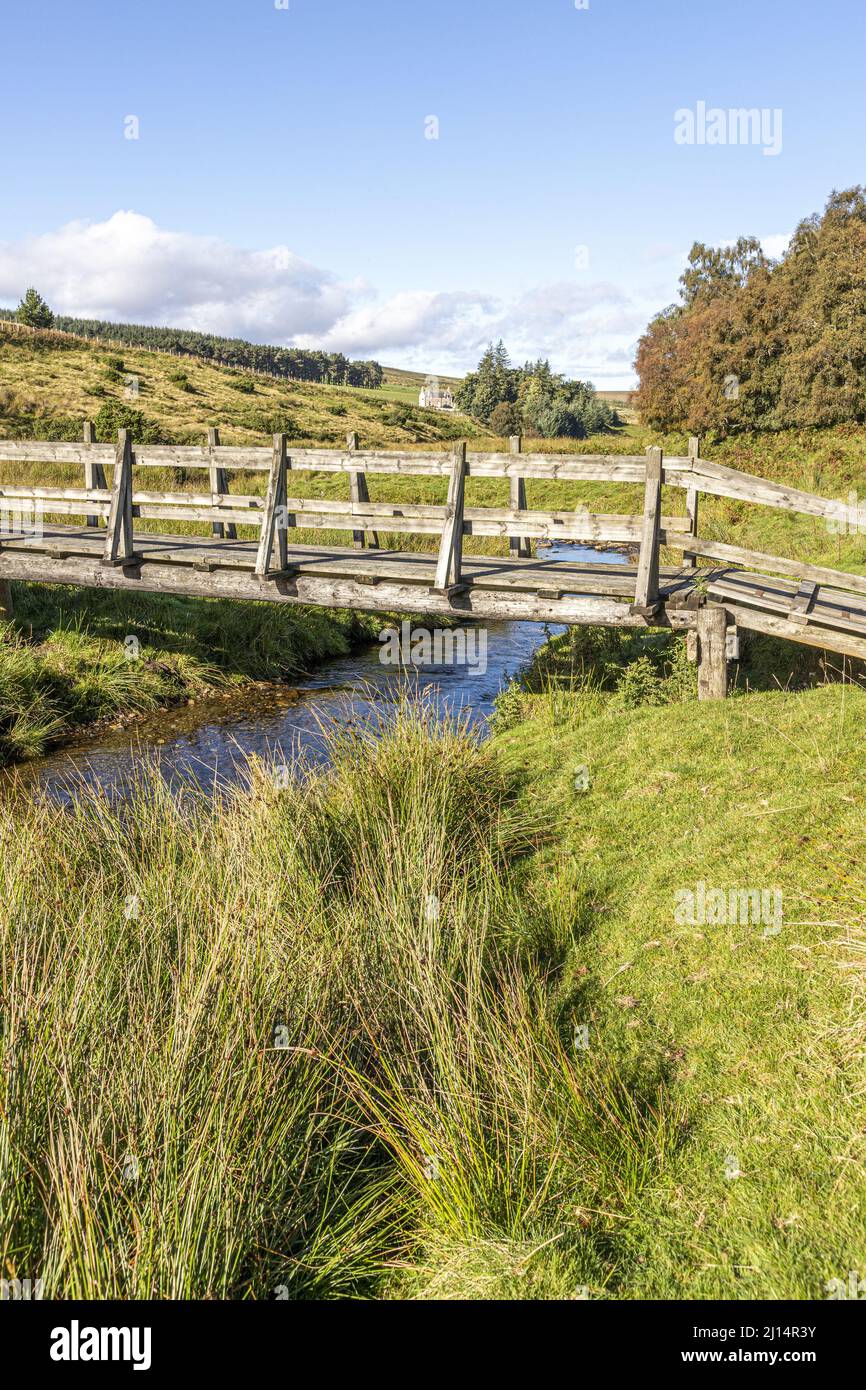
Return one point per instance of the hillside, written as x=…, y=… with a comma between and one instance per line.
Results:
x=50, y=383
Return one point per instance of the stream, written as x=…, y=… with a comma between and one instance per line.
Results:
x=208, y=744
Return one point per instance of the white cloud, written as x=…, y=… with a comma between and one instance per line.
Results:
x=128, y=268
x=776, y=245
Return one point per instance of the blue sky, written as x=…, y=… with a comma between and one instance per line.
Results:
x=282, y=185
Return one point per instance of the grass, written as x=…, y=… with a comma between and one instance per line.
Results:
x=427, y=1027
x=74, y=657
x=48, y=388
x=242, y=1055
x=761, y=1036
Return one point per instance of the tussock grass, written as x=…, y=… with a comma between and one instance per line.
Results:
x=307, y=1040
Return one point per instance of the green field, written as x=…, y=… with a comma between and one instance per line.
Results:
x=429, y=1026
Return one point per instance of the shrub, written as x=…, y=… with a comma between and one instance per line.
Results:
x=114, y=416
x=506, y=420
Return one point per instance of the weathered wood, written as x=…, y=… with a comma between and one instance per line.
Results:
x=329, y=591
x=275, y=520
x=219, y=485
x=802, y=601
x=359, y=495
x=714, y=478
x=773, y=625
x=773, y=564
x=451, y=546
x=7, y=606
x=94, y=472
x=732, y=643
x=518, y=546
x=118, y=536
x=690, y=558
x=256, y=458
x=828, y=610
x=712, y=653
x=646, y=598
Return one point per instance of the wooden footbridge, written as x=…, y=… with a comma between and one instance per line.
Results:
x=731, y=588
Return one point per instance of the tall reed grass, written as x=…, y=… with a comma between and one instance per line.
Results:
x=307, y=1042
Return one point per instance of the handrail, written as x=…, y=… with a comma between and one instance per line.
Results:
x=275, y=512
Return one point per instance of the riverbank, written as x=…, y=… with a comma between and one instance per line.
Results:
x=83, y=658
x=437, y=1025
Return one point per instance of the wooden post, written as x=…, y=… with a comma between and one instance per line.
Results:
x=646, y=599
x=118, y=537
x=689, y=559
x=518, y=548
x=94, y=473
x=7, y=607
x=219, y=485
x=712, y=653
x=359, y=493
x=275, y=519
x=448, y=566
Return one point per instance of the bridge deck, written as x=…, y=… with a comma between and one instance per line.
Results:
x=538, y=589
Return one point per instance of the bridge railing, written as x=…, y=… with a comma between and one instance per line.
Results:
x=276, y=513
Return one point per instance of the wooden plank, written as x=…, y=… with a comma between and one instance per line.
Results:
x=94, y=472
x=359, y=495
x=44, y=451
x=802, y=601
x=275, y=518
x=773, y=564
x=152, y=576
x=689, y=558
x=831, y=608
x=774, y=625
x=611, y=468
x=714, y=478
x=118, y=536
x=219, y=485
x=712, y=653
x=647, y=586
x=518, y=545
x=451, y=547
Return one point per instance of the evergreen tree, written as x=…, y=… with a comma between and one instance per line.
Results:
x=34, y=311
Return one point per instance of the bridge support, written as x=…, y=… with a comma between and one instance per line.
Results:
x=276, y=518
x=690, y=559
x=94, y=473
x=518, y=546
x=647, y=600
x=118, y=537
x=219, y=485
x=7, y=608
x=712, y=653
x=449, y=563
x=359, y=493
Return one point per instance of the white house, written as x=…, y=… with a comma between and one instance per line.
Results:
x=431, y=398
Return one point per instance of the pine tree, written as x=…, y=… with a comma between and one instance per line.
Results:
x=34, y=311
